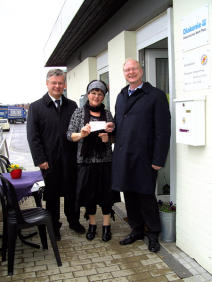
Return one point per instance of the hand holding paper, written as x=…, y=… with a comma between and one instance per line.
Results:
x=85, y=131
x=110, y=126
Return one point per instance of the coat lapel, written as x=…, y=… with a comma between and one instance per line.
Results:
x=126, y=103
x=133, y=99
x=48, y=101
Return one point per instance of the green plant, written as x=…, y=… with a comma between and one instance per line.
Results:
x=13, y=167
x=166, y=206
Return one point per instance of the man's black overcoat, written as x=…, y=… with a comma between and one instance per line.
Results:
x=46, y=134
x=142, y=138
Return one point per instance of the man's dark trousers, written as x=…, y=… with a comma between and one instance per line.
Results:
x=142, y=210
x=54, y=188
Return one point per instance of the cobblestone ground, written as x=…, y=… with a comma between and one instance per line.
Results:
x=84, y=260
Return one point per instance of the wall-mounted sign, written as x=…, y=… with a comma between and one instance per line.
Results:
x=196, y=71
x=194, y=29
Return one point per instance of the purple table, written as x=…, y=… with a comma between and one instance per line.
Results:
x=23, y=188
x=24, y=184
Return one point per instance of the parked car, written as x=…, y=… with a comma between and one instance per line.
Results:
x=4, y=124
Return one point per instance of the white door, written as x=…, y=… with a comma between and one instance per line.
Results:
x=156, y=67
x=157, y=73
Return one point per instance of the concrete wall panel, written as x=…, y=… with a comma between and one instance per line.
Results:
x=193, y=171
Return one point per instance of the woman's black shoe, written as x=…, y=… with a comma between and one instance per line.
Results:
x=90, y=235
x=106, y=233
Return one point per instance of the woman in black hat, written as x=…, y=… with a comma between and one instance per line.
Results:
x=94, y=158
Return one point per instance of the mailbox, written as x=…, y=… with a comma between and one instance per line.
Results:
x=190, y=121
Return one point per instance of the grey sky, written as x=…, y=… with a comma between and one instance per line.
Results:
x=24, y=27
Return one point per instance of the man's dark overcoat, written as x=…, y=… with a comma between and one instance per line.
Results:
x=142, y=138
x=46, y=134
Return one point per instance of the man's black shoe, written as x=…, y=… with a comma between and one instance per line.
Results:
x=131, y=238
x=154, y=246
x=77, y=227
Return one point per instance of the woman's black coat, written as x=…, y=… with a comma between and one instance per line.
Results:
x=46, y=134
x=142, y=138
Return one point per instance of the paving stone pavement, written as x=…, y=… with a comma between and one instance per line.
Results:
x=84, y=260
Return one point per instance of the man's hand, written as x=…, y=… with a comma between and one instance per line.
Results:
x=104, y=137
x=110, y=126
x=155, y=167
x=44, y=165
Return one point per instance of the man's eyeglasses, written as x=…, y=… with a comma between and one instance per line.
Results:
x=131, y=69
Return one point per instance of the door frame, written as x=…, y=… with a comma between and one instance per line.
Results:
x=150, y=56
x=152, y=32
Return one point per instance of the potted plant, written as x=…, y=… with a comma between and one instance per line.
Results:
x=166, y=186
x=168, y=221
x=15, y=171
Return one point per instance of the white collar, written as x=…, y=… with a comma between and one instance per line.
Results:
x=139, y=86
x=53, y=99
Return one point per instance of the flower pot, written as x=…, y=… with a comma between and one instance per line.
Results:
x=16, y=173
x=168, y=226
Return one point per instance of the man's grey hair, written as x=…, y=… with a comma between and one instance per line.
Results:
x=55, y=72
x=131, y=59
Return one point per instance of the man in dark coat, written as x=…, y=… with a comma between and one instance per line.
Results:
x=47, y=123
x=142, y=127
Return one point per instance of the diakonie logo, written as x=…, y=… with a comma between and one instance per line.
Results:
x=204, y=60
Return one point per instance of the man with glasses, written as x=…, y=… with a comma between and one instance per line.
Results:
x=47, y=123
x=142, y=130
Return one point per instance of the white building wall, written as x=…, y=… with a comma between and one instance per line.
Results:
x=193, y=171
x=119, y=48
x=79, y=77
x=152, y=31
x=67, y=13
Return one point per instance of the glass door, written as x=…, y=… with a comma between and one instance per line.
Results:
x=105, y=77
x=155, y=65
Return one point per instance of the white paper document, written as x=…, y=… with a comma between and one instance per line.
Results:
x=37, y=185
x=97, y=125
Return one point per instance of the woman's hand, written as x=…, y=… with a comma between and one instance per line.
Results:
x=104, y=137
x=110, y=126
x=85, y=131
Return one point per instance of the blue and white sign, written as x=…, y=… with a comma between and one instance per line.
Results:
x=195, y=29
